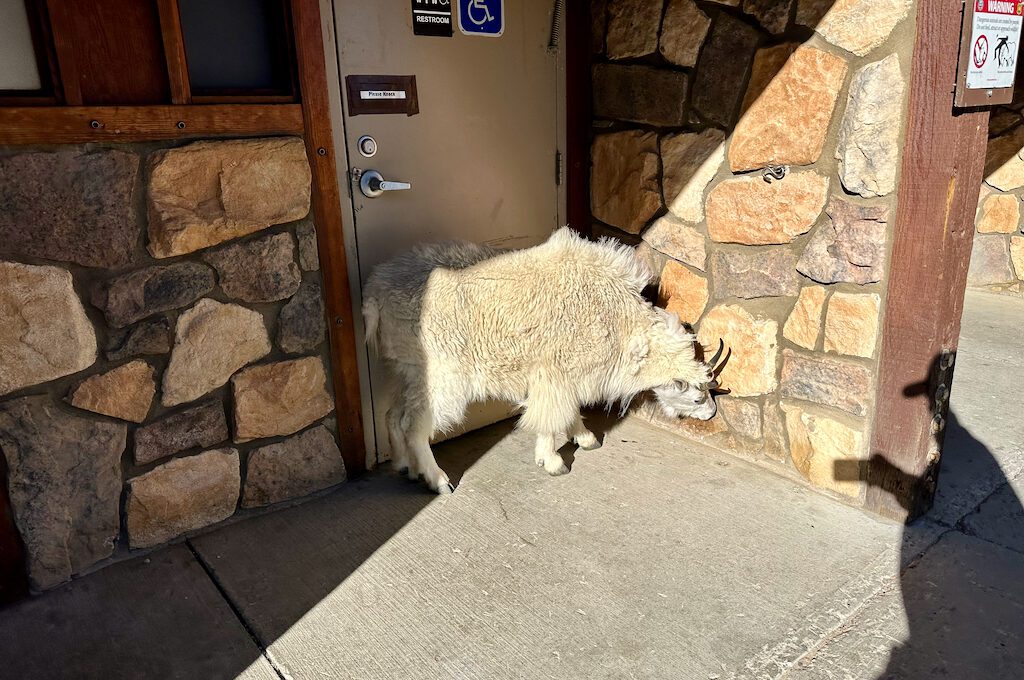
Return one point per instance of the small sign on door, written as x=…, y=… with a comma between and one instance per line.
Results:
x=482, y=17
x=989, y=47
x=432, y=17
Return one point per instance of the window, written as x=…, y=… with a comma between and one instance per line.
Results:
x=145, y=52
x=236, y=47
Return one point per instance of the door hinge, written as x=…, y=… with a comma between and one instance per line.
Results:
x=558, y=168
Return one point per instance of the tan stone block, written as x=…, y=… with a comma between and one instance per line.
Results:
x=826, y=380
x=750, y=211
x=677, y=239
x=804, y=323
x=1004, y=168
x=205, y=193
x=63, y=474
x=682, y=32
x=633, y=28
x=742, y=415
x=810, y=12
x=753, y=341
x=1017, y=255
x=990, y=261
x=126, y=392
x=868, y=148
x=690, y=161
x=767, y=63
x=624, y=187
x=212, y=341
x=776, y=443
x=297, y=466
x=788, y=122
x=44, y=332
x=825, y=451
x=860, y=26
x=279, y=398
x=851, y=324
x=682, y=292
x=999, y=214
x=182, y=495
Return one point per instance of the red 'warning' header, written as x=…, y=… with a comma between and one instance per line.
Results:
x=1010, y=7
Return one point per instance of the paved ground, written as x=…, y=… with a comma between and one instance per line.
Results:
x=646, y=561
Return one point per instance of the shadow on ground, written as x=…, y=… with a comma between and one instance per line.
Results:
x=167, y=615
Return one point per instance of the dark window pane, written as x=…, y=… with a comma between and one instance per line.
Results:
x=236, y=46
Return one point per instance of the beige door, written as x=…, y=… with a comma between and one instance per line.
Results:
x=480, y=155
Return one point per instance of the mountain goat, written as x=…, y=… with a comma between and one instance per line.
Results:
x=552, y=328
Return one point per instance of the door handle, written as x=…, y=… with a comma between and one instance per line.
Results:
x=373, y=184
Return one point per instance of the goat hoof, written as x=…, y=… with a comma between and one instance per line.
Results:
x=445, y=488
x=540, y=462
x=560, y=470
x=588, y=442
x=404, y=470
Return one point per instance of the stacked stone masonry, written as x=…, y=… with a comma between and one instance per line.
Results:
x=163, y=347
x=697, y=105
x=997, y=258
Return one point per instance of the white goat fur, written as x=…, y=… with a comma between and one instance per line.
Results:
x=553, y=328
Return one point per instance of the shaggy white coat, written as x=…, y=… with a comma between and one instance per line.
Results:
x=553, y=328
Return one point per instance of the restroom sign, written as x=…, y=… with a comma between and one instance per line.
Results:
x=432, y=17
x=482, y=17
x=995, y=42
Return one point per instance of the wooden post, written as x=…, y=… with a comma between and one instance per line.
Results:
x=941, y=172
x=326, y=204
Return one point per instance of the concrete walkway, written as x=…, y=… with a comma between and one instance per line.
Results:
x=648, y=561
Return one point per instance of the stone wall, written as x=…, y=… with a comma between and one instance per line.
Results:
x=163, y=357
x=997, y=257
x=700, y=107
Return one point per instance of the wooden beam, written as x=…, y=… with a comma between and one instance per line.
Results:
x=174, y=51
x=64, y=49
x=327, y=219
x=80, y=124
x=578, y=114
x=942, y=169
x=110, y=52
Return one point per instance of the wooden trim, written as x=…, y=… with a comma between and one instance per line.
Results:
x=578, y=115
x=76, y=125
x=174, y=51
x=942, y=168
x=13, y=98
x=67, y=63
x=327, y=218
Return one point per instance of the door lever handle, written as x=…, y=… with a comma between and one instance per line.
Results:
x=373, y=184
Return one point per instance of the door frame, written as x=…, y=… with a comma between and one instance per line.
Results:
x=573, y=203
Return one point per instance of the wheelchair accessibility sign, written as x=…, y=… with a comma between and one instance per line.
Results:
x=482, y=17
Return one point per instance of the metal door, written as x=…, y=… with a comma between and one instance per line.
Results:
x=479, y=156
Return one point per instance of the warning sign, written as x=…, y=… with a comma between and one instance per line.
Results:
x=995, y=40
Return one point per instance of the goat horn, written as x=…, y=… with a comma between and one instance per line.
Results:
x=718, y=354
x=713, y=385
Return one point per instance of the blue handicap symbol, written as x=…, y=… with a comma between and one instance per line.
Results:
x=482, y=17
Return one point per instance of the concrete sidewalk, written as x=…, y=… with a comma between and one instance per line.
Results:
x=647, y=561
